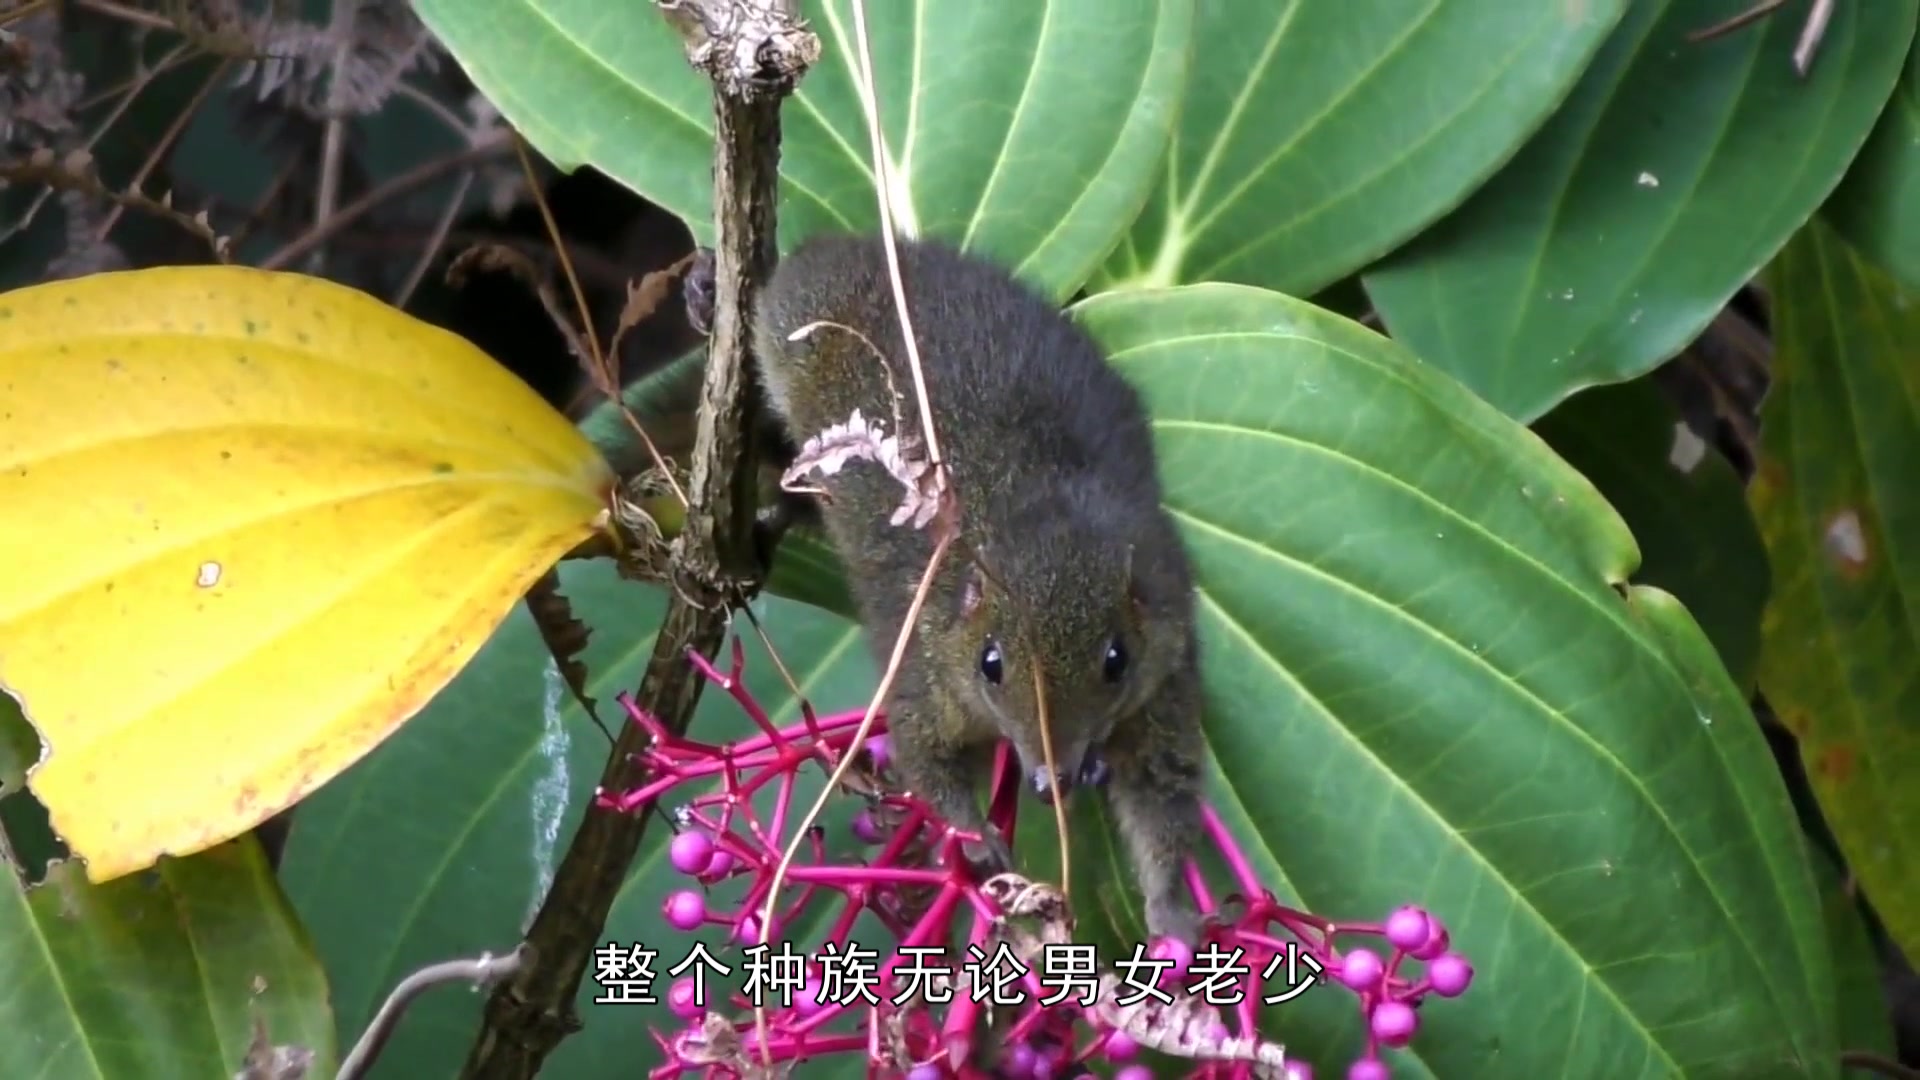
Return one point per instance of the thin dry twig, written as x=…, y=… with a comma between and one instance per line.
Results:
x=508, y=260
x=883, y=189
x=773, y=654
x=161, y=148
x=1805, y=48
x=483, y=971
x=593, y=361
x=419, y=176
x=76, y=173
x=333, y=142
x=1053, y=777
x=1868, y=1061
x=7, y=18
x=436, y=240
x=1734, y=22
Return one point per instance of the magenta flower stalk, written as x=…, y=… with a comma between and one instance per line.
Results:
x=959, y=949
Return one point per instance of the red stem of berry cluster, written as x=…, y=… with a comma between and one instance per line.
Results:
x=924, y=894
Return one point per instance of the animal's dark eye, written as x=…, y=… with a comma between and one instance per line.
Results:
x=1116, y=665
x=990, y=662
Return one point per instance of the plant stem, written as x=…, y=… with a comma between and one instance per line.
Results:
x=714, y=560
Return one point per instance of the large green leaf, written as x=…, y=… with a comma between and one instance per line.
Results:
x=162, y=974
x=1315, y=137
x=442, y=842
x=1682, y=500
x=1838, y=506
x=1028, y=130
x=1423, y=685
x=1864, y=1023
x=1877, y=207
x=1670, y=176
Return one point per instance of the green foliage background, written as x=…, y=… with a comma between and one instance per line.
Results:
x=1480, y=625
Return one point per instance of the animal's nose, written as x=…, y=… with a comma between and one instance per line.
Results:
x=1044, y=787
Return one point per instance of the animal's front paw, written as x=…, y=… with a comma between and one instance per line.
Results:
x=1177, y=919
x=1094, y=770
x=989, y=855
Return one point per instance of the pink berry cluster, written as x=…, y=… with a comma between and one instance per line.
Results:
x=915, y=881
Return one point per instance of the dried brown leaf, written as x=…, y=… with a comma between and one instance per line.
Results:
x=565, y=636
x=645, y=297
x=503, y=259
x=861, y=439
x=265, y=1061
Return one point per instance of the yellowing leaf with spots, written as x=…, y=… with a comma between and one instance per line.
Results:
x=250, y=523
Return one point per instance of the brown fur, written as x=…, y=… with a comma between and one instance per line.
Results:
x=1065, y=545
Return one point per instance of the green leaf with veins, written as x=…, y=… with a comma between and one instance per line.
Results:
x=1877, y=207
x=1864, y=1023
x=1027, y=130
x=157, y=975
x=1424, y=684
x=1666, y=181
x=1386, y=723
x=1835, y=497
x=1686, y=505
x=1315, y=137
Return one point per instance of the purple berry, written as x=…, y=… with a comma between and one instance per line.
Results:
x=866, y=829
x=1299, y=1070
x=928, y=1071
x=806, y=1000
x=1134, y=1072
x=1173, y=949
x=690, y=852
x=1119, y=1047
x=1407, y=928
x=880, y=751
x=1394, y=1022
x=747, y=931
x=1449, y=974
x=1368, y=1069
x=1361, y=970
x=721, y=864
x=1435, y=944
x=680, y=998
x=685, y=909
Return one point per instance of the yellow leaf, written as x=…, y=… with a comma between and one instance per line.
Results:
x=250, y=523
